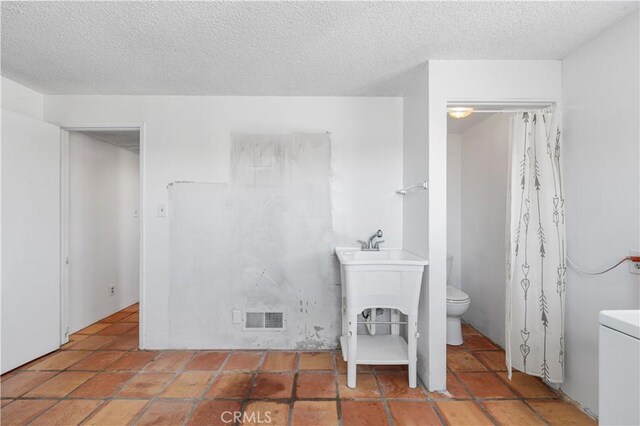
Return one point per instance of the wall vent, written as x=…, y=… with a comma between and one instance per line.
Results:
x=271, y=320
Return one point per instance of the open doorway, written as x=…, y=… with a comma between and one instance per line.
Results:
x=490, y=151
x=479, y=170
x=101, y=231
x=477, y=182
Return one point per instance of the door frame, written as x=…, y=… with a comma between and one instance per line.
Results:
x=65, y=128
x=436, y=378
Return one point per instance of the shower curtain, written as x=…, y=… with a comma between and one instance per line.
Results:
x=535, y=247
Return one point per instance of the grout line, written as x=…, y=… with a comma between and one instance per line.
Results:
x=486, y=412
x=254, y=381
x=474, y=398
x=107, y=401
x=217, y=373
x=207, y=389
x=383, y=398
x=166, y=385
x=535, y=412
x=294, y=391
x=336, y=377
x=102, y=403
x=439, y=414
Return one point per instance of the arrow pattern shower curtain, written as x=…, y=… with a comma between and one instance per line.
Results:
x=536, y=248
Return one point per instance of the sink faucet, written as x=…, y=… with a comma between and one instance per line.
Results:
x=370, y=245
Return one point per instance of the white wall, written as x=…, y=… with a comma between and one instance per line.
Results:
x=416, y=161
x=188, y=138
x=416, y=203
x=601, y=169
x=21, y=99
x=454, y=199
x=103, y=229
x=485, y=166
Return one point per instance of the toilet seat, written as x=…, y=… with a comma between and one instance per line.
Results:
x=455, y=295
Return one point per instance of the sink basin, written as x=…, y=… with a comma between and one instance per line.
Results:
x=388, y=278
x=386, y=256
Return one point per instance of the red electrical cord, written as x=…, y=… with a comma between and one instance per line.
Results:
x=635, y=259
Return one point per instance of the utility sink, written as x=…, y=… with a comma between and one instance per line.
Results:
x=388, y=278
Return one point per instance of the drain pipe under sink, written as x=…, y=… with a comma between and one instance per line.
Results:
x=371, y=318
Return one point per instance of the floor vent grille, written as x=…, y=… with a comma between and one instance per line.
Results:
x=265, y=320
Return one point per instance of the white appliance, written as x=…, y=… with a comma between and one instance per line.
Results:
x=619, y=389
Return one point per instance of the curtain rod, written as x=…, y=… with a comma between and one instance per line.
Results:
x=498, y=104
x=513, y=110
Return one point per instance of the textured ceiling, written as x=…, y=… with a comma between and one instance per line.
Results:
x=125, y=139
x=276, y=48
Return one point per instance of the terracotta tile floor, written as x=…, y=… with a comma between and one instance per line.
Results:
x=101, y=378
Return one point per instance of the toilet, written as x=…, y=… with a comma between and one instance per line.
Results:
x=457, y=305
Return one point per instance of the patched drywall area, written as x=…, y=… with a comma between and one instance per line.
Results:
x=262, y=242
x=200, y=286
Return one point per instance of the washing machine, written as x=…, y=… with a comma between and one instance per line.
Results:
x=619, y=368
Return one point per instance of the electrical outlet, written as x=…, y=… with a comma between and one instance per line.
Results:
x=634, y=267
x=236, y=317
x=112, y=290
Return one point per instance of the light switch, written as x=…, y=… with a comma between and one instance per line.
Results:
x=162, y=210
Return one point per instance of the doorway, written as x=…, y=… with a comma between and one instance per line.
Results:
x=479, y=169
x=477, y=181
x=101, y=224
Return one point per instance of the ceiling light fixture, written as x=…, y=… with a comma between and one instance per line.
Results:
x=460, y=112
